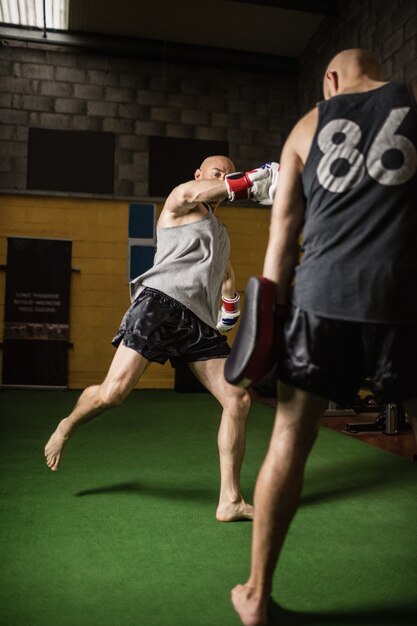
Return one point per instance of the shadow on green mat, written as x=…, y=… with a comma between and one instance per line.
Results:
x=387, y=616
x=355, y=477
x=136, y=488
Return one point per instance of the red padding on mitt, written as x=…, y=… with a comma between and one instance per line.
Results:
x=254, y=351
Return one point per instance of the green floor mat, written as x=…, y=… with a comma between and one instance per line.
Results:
x=124, y=534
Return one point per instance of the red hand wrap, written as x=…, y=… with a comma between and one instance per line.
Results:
x=231, y=305
x=238, y=185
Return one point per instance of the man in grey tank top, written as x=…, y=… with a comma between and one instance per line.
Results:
x=174, y=316
x=349, y=180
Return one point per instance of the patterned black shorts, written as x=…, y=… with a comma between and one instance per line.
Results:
x=160, y=328
x=333, y=358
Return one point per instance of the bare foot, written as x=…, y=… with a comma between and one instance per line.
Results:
x=55, y=446
x=234, y=512
x=251, y=610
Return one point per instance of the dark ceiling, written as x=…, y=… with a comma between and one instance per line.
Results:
x=266, y=35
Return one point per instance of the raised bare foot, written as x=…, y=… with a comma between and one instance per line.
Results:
x=55, y=446
x=234, y=512
x=251, y=610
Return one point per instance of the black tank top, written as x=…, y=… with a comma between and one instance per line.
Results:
x=360, y=233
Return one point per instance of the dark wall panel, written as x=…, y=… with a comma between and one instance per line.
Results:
x=70, y=160
x=173, y=161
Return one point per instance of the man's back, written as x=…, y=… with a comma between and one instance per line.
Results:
x=360, y=185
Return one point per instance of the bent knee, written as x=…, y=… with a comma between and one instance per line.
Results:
x=238, y=401
x=111, y=395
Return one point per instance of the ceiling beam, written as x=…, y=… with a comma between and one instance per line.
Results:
x=322, y=7
x=155, y=50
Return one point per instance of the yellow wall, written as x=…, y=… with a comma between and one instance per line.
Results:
x=99, y=293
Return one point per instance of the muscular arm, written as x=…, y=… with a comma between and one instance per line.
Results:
x=288, y=209
x=186, y=197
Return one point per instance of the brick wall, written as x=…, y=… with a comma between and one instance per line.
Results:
x=387, y=27
x=47, y=87
x=61, y=89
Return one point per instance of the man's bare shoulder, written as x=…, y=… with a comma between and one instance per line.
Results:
x=169, y=217
x=301, y=136
x=307, y=124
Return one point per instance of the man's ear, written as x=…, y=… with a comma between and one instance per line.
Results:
x=332, y=84
x=197, y=174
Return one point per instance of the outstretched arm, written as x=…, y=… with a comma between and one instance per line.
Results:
x=184, y=198
x=258, y=185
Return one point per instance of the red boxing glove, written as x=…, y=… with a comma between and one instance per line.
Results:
x=258, y=184
x=238, y=186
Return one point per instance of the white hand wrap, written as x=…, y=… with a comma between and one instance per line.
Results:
x=229, y=313
x=265, y=182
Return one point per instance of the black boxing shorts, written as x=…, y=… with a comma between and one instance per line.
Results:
x=332, y=358
x=161, y=328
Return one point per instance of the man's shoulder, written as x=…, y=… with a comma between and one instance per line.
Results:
x=302, y=134
x=167, y=218
x=308, y=121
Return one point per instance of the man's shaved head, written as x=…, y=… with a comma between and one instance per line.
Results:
x=221, y=160
x=351, y=66
x=215, y=167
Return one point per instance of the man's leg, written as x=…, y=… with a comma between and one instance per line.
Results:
x=125, y=370
x=231, y=437
x=277, y=496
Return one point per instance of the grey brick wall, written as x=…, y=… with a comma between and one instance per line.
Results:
x=387, y=27
x=134, y=99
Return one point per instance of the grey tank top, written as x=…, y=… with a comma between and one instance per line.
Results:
x=189, y=266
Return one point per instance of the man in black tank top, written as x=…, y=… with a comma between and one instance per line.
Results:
x=348, y=180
